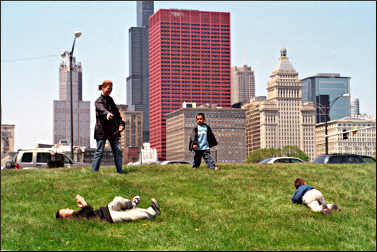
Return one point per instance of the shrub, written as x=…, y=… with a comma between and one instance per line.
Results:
x=290, y=150
x=294, y=151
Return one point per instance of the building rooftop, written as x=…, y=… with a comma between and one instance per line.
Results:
x=326, y=75
x=284, y=64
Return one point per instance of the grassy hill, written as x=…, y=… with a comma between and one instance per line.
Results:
x=240, y=207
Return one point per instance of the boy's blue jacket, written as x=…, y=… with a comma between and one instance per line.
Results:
x=301, y=190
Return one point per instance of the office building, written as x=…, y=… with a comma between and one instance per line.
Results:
x=283, y=118
x=363, y=143
x=243, y=84
x=132, y=136
x=138, y=79
x=322, y=89
x=228, y=126
x=355, y=108
x=189, y=62
x=62, y=108
x=7, y=143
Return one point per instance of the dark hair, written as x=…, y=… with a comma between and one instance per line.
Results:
x=299, y=182
x=200, y=114
x=58, y=215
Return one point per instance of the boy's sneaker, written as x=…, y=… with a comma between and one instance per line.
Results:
x=216, y=168
x=135, y=201
x=326, y=211
x=335, y=207
x=155, y=206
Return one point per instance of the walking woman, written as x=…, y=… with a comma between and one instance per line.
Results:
x=109, y=124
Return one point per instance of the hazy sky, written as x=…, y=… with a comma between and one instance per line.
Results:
x=320, y=37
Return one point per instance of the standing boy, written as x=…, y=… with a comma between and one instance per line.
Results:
x=201, y=139
x=312, y=198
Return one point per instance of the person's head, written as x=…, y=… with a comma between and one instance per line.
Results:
x=106, y=87
x=64, y=213
x=299, y=182
x=200, y=118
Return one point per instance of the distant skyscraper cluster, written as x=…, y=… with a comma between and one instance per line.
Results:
x=179, y=65
x=62, y=109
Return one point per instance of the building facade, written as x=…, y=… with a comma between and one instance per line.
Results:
x=228, y=126
x=138, y=79
x=7, y=138
x=283, y=118
x=355, y=108
x=132, y=136
x=253, y=124
x=322, y=89
x=243, y=84
x=363, y=143
x=189, y=62
x=62, y=108
x=7, y=142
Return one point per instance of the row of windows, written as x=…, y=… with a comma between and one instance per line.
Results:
x=187, y=24
x=173, y=36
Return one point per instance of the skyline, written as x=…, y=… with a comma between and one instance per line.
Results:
x=320, y=37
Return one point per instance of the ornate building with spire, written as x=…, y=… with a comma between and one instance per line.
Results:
x=283, y=118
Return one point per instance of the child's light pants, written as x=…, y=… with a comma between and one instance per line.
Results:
x=121, y=210
x=315, y=200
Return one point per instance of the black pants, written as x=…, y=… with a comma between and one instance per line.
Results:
x=206, y=154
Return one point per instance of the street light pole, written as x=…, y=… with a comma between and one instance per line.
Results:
x=327, y=109
x=70, y=55
x=326, y=137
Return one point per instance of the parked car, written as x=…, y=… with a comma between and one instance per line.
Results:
x=38, y=158
x=275, y=160
x=175, y=162
x=341, y=158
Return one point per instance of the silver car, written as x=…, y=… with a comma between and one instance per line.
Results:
x=275, y=160
x=39, y=158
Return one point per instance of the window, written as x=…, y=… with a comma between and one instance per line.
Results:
x=27, y=157
x=43, y=157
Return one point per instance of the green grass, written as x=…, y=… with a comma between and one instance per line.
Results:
x=240, y=207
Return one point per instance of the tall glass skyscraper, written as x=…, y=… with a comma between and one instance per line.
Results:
x=322, y=89
x=138, y=79
x=189, y=62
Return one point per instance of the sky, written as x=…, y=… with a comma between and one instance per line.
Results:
x=320, y=37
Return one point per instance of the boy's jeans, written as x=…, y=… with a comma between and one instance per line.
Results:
x=117, y=153
x=206, y=154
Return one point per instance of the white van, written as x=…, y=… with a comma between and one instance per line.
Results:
x=40, y=158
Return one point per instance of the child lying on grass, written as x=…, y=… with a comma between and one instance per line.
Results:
x=312, y=198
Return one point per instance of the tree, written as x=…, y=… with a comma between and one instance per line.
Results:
x=294, y=151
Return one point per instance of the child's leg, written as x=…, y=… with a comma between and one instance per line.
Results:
x=315, y=206
x=315, y=201
x=209, y=159
x=197, y=158
x=120, y=203
x=314, y=196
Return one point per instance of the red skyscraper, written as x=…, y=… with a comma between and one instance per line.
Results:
x=189, y=61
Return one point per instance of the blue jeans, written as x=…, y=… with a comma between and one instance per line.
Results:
x=206, y=154
x=117, y=153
